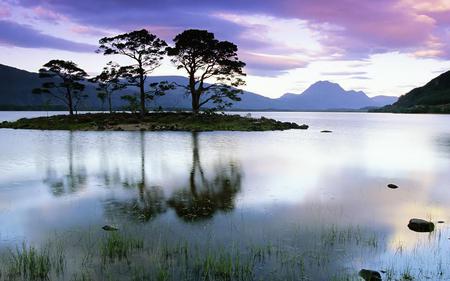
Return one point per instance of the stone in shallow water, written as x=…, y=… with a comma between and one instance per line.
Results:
x=109, y=228
x=370, y=275
x=393, y=186
x=420, y=225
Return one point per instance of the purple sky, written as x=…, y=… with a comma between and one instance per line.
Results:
x=381, y=47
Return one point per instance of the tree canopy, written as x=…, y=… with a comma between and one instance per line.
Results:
x=204, y=57
x=144, y=48
x=63, y=82
x=109, y=81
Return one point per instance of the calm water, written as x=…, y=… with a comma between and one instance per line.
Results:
x=298, y=189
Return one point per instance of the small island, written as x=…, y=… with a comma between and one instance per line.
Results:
x=158, y=121
x=66, y=82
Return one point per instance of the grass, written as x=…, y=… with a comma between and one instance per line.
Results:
x=122, y=256
x=167, y=121
x=159, y=256
x=29, y=263
x=119, y=247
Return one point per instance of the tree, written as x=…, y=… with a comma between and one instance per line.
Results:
x=144, y=48
x=204, y=57
x=109, y=81
x=63, y=82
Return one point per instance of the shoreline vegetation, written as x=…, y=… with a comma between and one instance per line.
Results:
x=158, y=121
x=434, y=109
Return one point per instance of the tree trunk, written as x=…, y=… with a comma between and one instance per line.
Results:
x=141, y=88
x=69, y=102
x=195, y=95
x=110, y=103
x=195, y=103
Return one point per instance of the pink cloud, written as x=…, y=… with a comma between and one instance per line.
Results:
x=270, y=64
x=383, y=24
x=5, y=12
x=86, y=30
x=47, y=14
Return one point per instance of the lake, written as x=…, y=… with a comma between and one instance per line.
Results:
x=278, y=205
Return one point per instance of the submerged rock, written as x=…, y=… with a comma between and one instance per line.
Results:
x=303, y=127
x=370, y=275
x=109, y=228
x=326, y=131
x=420, y=225
x=393, y=186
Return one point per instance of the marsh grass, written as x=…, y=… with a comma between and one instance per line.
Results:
x=29, y=263
x=316, y=254
x=119, y=247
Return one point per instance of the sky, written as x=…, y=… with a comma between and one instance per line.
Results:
x=383, y=47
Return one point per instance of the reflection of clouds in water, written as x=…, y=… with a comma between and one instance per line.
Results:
x=300, y=178
x=354, y=197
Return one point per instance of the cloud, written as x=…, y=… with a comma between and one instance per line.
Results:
x=5, y=12
x=81, y=29
x=25, y=36
x=360, y=78
x=40, y=12
x=270, y=65
x=344, y=73
x=348, y=29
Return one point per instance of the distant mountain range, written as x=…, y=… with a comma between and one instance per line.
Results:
x=16, y=86
x=433, y=97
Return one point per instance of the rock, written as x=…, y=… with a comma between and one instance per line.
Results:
x=420, y=225
x=393, y=186
x=303, y=127
x=326, y=131
x=370, y=275
x=109, y=228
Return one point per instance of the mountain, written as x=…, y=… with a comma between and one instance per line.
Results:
x=325, y=95
x=16, y=86
x=433, y=97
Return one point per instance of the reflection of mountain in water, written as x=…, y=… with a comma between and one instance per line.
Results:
x=201, y=199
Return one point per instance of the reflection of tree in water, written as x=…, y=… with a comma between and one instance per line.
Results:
x=73, y=181
x=204, y=197
x=149, y=202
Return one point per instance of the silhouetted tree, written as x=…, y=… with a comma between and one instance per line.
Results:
x=63, y=82
x=144, y=48
x=109, y=81
x=203, y=57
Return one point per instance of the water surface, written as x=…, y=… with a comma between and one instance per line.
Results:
x=299, y=190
